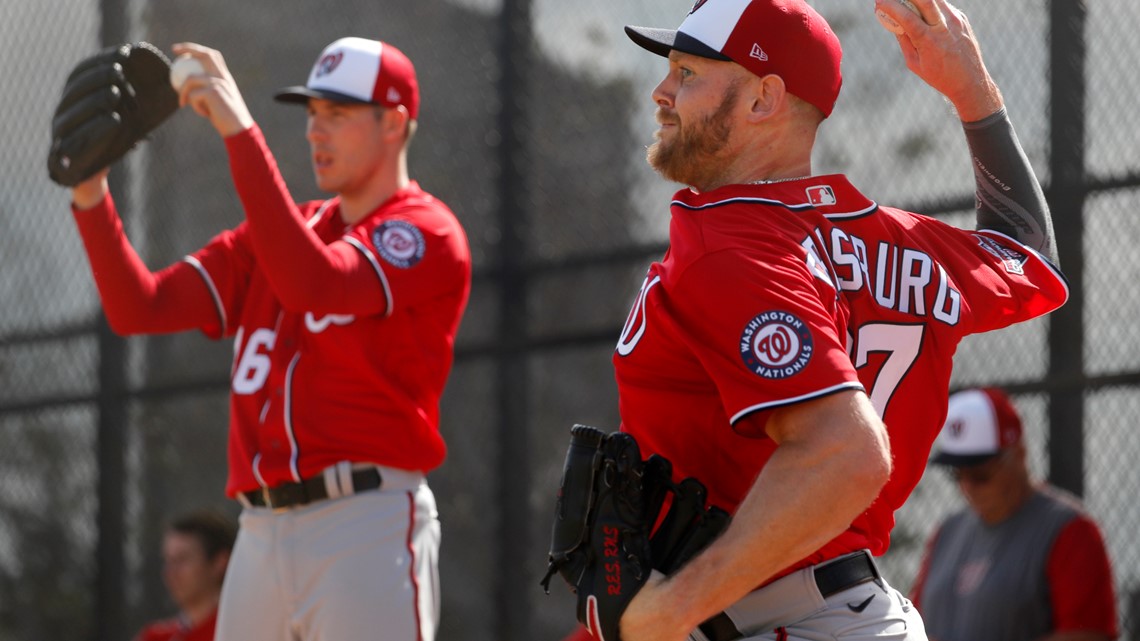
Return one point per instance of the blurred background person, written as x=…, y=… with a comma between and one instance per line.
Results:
x=1023, y=561
x=195, y=553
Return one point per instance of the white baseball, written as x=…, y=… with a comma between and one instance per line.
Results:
x=889, y=24
x=184, y=66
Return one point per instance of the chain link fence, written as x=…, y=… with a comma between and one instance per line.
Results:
x=533, y=126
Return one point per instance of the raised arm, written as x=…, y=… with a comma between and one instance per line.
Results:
x=136, y=300
x=940, y=48
x=304, y=272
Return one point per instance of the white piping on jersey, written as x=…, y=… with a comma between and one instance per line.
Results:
x=855, y=385
x=289, y=418
x=854, y=214
x=257, y=471
x=770, y=201
x=213, y=289
x=317, y=215
x=379, y=271
x=743, y=199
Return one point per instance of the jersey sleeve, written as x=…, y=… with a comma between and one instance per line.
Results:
x=136, y=300
x=1002, y=282
x=767, y=327
x=304, y=272
x=419, y=253
x=1080, y=580
x=226, y=265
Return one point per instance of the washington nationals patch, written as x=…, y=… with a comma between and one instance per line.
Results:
x=399, y=243
x=776, y=345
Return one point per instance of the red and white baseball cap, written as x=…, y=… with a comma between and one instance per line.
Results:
x=360, y=71
x=980, y=423
x=783, y=37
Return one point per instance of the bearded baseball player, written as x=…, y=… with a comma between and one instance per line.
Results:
x=343, y=314
x=792, y=350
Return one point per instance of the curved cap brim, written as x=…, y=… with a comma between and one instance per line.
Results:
x=301, y=95
x=961, y=460
x=658, y=41
x=662, y=41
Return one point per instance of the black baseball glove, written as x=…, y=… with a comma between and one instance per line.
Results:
x=603, y=541
x=110, y=102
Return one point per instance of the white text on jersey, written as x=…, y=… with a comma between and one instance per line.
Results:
x=902, y=278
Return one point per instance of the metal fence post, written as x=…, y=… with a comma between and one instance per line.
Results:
x=110, y=579
x=1066, y=193
x=514, y=473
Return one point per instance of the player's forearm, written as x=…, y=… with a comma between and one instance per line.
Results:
x=808, y=493
x=304, y=272
x=1009, y=198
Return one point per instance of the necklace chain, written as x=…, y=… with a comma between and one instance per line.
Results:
x=777, y=180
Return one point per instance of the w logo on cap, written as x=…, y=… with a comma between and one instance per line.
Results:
x=329, y=63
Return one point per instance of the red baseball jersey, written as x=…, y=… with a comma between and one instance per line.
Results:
x=780, y=293
x=177, y=629
x=343, y=334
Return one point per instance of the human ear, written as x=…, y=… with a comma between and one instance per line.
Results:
x=768, y=96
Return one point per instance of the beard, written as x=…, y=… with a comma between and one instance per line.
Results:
x=693, y=157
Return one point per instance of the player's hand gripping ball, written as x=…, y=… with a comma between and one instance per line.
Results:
x=183, y=67
x=889, y=23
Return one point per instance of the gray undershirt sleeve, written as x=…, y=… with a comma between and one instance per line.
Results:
x=1008, y=197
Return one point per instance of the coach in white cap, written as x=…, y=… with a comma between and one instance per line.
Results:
x=343, y=314
x=1024, y=562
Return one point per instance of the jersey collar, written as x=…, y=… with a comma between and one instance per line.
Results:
x=831, y=195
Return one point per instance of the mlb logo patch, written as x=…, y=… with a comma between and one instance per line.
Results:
x=821, y=195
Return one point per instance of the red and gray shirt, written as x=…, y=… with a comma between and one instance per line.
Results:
x=776, y=294
x=1042, y=571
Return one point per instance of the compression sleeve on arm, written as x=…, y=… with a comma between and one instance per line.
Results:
x=135, y=300
x=1009, y=198
x=304, y=272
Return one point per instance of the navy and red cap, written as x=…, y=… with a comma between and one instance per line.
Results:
x=357, y=70
x=783, y=37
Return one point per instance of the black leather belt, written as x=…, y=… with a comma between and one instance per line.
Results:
x=831, y=579
x=310, y=490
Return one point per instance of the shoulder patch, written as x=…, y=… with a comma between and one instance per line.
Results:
x=399, y=242
x=776, y=345
x=1012, y=259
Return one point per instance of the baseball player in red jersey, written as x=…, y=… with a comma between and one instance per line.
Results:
x=792, y=350
x=343, y=315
